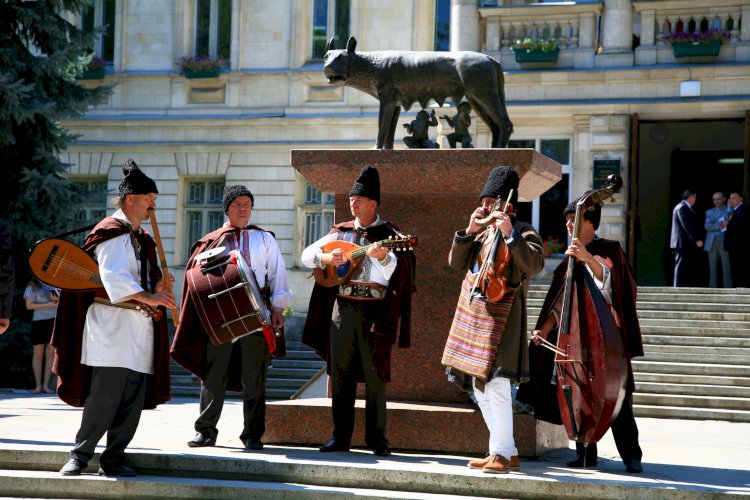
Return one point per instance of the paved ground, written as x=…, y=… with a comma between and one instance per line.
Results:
x=702, y=458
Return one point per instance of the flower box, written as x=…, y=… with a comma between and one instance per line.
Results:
x=686, y=49
x=536, y=55
x=92, y=74
x=201, y=73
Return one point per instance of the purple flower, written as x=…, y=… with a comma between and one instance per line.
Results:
x=698, y=37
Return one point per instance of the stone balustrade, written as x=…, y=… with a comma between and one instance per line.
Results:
x=660, y=18
x=573, y=26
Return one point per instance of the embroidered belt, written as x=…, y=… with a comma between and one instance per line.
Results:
x=362, y=291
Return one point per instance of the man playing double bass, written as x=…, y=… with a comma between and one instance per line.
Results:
x=608, y=265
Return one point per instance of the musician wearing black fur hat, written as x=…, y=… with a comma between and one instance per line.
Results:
x=486, y=346
x=241, y=365
x=608, y=265
x=353, y=323
x=110, y=358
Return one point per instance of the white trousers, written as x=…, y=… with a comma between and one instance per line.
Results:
x=497, y=410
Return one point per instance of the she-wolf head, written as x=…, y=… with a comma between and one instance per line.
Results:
x=336, y=63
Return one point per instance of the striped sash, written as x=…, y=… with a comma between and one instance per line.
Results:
x=476, y=332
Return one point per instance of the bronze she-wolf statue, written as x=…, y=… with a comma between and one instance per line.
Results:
x=400, y=78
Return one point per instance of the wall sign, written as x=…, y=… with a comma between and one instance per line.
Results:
x=602, y=170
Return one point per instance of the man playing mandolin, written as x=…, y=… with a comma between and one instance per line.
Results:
x=106, y=349
x=486, y=346
x=607, y=264
x=356, y=320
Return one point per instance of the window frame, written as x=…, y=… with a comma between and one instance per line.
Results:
x=325, y=208
x=331, y=27
x=109, y=36
x=206, y=209
x=94, y=209
x=214, y=39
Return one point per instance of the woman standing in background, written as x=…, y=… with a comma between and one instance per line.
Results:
x=42, y=300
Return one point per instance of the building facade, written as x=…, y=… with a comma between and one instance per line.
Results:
x=617, y=99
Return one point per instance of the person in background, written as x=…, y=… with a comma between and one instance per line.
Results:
x=737, y=239
x=715, y=227
x=42, y=299
x=7, y=276
x=685, y=241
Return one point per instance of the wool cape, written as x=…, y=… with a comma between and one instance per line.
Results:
x=190, y=339
x=395, y=322
x=539, y=391
x=74, y=378
x=527, y=259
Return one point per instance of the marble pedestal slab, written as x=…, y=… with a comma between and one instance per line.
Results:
x=430, y=194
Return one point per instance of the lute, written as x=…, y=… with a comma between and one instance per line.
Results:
x=61, y=264
x=333, y=275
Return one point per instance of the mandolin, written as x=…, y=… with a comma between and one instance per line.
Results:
x=62, y=264
x=333, y=275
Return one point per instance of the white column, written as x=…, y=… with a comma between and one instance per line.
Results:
x=464, y=25
x=617, y=26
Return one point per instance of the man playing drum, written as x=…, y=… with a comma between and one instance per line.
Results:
x=356, y=322
x=241, y=365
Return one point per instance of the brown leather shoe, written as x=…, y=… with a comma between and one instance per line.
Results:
x=514, y=464
x=498, y=464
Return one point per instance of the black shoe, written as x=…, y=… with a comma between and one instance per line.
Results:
x=253, y=445
x=118, y=471
x=200, y=441
x=578, y=462
x=635, y=466
x=73, y=467
x=381, y=449
x=334, y=445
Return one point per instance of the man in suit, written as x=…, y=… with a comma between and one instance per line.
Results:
x=715, y=242
x=685, y=241
x=736, y=241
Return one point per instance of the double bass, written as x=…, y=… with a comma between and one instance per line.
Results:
x=590, y=360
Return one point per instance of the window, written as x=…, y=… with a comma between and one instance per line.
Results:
x=545, y=213
x=93, y=204
x=330, y=19
x=443, y=25
x=213, y=29
x=317, y=214
x=101, y=15
x=204, y=209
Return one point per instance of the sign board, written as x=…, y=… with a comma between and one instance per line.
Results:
x=602, y=170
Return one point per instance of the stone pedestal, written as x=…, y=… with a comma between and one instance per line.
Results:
x=430, y=194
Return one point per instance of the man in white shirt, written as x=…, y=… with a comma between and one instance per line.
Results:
x=216, y=365
x=119, y=343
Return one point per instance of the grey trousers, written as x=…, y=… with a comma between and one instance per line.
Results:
x=255, y=358
x=716, y=254
x=114, y=406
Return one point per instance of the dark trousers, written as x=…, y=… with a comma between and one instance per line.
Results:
x=114, y=406
x=687, y=272
x=625, y=432
x=255, y=358
x=351, y=355
x=740, y=271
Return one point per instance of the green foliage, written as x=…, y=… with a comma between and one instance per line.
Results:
x=202, y=63
x=698, y=37
x=15, y=357
x=536, y=44
x=41, y=53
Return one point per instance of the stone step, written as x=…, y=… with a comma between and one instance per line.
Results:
x=283, y=363
x=654, y=411
x=706, y=356
x=693, y=307
x=680, y=378
x=734, y=298
x=690, y=401
x=692, y=330
x=647, y=366
x=698, y=351
x=297, y=373
x=730, y=326
x=693, y=389
x=681, y=340
x=23, y=483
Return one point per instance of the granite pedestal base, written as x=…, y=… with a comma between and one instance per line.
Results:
x=412, y=426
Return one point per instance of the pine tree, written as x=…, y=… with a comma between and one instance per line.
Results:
x=41, y=53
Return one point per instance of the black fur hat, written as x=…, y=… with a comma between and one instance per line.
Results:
x=593, y=214
x=367, y=184
x=135, y=181
x=232, y=192
x=499, y=184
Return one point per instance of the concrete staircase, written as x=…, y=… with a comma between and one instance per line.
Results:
x=697, y=345
x=285, y=376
